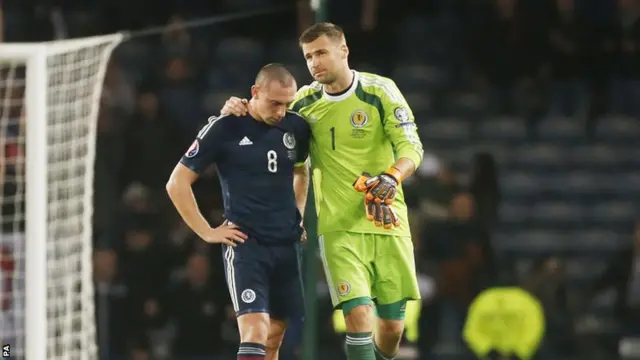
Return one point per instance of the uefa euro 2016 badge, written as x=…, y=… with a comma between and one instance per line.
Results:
x=401, y=114
x=359, y=118
x=289, y=141
x=193, y=149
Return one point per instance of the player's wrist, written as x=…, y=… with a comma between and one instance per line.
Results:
x=394, y=173
x=205, y=232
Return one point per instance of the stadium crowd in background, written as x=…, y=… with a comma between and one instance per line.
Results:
x=161, y=292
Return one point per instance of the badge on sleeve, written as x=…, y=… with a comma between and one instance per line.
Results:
x=401, y=114
x=289, y=140
x=193, y=149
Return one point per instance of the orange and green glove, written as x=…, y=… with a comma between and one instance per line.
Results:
x=381, y=188
x=378, y=211
x=381, y=214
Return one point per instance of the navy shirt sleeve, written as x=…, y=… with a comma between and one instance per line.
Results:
x=206, y=149
x=303, y=134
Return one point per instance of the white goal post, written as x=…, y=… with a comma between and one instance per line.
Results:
x=49, y=102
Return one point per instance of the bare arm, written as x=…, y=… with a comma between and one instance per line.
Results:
x=301, y=186
x=181, y=194
x=406, y=167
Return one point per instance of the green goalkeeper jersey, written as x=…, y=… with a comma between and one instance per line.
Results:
x=364, y=129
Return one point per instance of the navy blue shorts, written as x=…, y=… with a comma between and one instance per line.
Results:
x=264, y=279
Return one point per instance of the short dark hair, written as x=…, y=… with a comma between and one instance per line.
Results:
x=332, y=31
x=275, y=72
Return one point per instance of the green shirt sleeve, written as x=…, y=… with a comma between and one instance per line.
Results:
x=399, y=125
x=306, y=96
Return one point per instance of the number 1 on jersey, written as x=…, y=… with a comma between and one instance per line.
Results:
x=333, y=138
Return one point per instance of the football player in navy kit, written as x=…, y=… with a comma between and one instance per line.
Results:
x=261, y=162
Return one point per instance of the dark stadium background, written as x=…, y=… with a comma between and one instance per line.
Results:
x=528, y=110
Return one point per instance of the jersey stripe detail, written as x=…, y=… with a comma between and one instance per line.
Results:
x=386, y=85
x=306, y=101
x=229, y=257
x=371, y=99
x=327, y=272
x=210, y=122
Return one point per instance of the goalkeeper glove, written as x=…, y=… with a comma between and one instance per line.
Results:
x=381, y=214
x=381, y=188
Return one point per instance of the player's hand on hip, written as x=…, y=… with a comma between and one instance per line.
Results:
x=381, y=188
x=228, y=234
x=381, y=214
x=235, y=106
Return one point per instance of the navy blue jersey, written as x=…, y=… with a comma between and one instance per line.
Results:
x=255, y=164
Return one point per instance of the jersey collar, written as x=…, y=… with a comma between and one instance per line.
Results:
x=346, y=94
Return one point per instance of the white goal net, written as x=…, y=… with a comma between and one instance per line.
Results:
x=49, y=102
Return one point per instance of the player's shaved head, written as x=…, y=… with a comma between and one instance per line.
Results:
x=274, y=90
x=274, y=72
x=332, y=31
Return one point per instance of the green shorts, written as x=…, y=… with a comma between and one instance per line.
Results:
x=380, y=267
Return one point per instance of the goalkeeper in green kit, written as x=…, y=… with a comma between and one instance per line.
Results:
x=364, y=143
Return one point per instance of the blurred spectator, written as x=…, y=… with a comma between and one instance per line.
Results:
x=138, y=208
x=508, y=55
x=114, y=306
x=144, y=263
x=626, y=77
x=566, y=42
x=460, y=257
x=547, y=281
x=176, y=40
x=140, y=350
x=485, y=190
x=109, y=171
x=151, y=147
x=623, y=276
x=431, y=191
x=118, y=94
x=179, y=96
x=366, y=32
x=198, y=307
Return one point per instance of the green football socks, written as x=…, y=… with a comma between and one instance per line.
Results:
x=360, y=346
